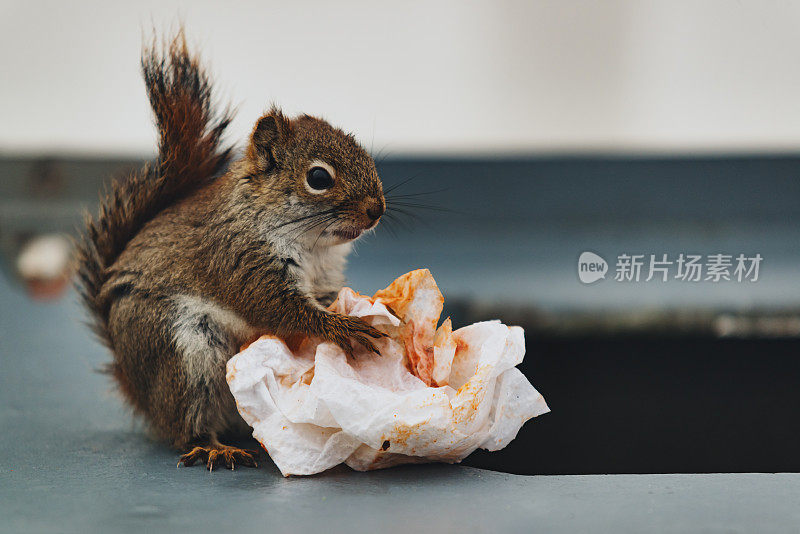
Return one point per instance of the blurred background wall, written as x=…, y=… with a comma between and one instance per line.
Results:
x=549, y=128
x=422, y=77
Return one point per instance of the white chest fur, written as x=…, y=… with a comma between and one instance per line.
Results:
x=318, y=267
x=321, y=271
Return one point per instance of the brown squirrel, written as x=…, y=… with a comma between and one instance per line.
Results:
x=187, y=261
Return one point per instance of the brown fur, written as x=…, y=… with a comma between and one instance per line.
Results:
x=182, y=266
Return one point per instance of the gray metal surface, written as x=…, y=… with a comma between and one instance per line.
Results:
x=73, y=461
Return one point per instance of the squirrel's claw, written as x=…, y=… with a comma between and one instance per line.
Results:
x=220, y=454
x=347, y=346
x=354, y=328
x=367, y=344
x=357, y=326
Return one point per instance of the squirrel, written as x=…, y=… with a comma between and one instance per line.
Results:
x=196, y=254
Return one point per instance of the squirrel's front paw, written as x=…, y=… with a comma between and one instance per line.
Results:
x=346, y=328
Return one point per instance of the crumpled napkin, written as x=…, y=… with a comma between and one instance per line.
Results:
x=432, y=395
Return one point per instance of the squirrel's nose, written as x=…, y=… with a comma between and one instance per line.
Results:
x=375, y=211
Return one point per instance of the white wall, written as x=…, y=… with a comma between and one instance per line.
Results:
x=418, y=76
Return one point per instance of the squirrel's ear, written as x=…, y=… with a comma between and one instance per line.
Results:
x=268, y=139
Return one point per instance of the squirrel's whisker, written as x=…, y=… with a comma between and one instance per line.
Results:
x=419, y=194
x=320, y=235
x=400, y=184
x=394, y=203
x=407, y=213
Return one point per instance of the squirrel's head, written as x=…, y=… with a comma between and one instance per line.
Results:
x=323, y=182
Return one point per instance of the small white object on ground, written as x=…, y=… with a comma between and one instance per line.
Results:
x=313, y=408
x=45, y=257
x=44, y=265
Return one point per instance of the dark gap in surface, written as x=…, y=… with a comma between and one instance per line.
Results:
x=658, y=405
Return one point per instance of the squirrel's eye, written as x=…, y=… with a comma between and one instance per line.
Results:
x=319, y=179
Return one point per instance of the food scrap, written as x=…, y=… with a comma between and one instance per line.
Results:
x=434, y=394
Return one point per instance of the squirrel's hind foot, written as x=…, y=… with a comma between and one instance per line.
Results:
x=216, y=454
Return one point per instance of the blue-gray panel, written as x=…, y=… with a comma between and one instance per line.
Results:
x=518, y=226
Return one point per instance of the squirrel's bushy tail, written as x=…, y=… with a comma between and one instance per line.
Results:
x=189, y=155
